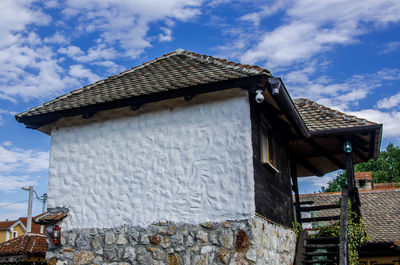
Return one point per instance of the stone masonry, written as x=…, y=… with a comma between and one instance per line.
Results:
x=252, y=241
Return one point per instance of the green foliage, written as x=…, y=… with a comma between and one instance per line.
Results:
x=356, y=232
x=385, y=169
x=297, y=227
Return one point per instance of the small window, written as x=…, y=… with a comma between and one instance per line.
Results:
x=14, y=234
x=362, y=183
x=267, y=154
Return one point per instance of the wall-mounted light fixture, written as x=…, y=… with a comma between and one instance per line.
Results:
x=275, y=85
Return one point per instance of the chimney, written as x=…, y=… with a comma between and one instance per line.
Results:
x=363, y=180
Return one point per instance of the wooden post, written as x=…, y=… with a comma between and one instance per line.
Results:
x=344, y=222
x=353, y=193
x=293, y=173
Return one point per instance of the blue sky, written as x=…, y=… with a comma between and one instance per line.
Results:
x=343, y=54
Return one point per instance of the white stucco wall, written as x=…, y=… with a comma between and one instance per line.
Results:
x=173, y=160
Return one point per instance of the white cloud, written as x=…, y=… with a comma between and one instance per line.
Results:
x=166, y=35
x=30, y=64
x=14, y=183
x=57, y=38
x=340, y=95
x=390, y=120
x=391, y=47
x=98, y=53
x=22, y=160
x=7, y=143
x=389, y=102
x=80, y=72
x=313, y=26
x=28, y=68
x=126, y=22
x=13, y=210
x=314, y=184
x=268, y=10
x=111, y=66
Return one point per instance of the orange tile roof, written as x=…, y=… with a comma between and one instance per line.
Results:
x=363, y=175
x=35, y=227
x=26, y=244
x=7, y=224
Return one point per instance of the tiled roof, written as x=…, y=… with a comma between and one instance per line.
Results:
x=50, y=217
x=320, y=118
x=7, y=224
x=363, y=176
x=172, y=71
x=35, y=228
x=26, y=244
x=379, y=208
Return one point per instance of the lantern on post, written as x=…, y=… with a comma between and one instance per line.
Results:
x=56, y=235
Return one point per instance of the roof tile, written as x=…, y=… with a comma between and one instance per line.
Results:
x=26, y=244
x=320, y=118
x=379, y=208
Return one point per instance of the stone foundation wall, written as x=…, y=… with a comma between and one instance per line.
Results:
x=252, y=241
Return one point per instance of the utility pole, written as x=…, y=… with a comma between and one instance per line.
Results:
x=29, y=217
x=44, y=202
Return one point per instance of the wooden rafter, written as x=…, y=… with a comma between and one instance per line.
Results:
x=307, y=165
x=324, y=152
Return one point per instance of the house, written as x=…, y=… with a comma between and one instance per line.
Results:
x=186, y=159
x=380, y=213
x=15, y=228
x=26, y=249
x=11, y=229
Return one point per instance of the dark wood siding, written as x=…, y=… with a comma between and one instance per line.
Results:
x=273, y=195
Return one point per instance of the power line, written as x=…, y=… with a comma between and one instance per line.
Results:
x=13, y=203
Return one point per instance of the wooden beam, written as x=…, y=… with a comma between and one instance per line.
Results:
x=372, y=137
x=314, y=155
x=307, y=165
x=359, y=146
x=324, y=153
x=360, y=140
x=360, y=155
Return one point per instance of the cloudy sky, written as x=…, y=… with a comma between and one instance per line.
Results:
x=344, y=54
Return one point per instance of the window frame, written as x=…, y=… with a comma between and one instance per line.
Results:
x=266, y=146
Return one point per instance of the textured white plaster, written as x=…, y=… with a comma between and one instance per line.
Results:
x=172, y=160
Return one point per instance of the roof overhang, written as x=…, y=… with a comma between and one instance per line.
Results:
x=251, y=83
x=323, y=153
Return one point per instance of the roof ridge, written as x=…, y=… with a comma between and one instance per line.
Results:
x=335, y=112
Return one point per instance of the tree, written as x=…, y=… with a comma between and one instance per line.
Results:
x=385, y=169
